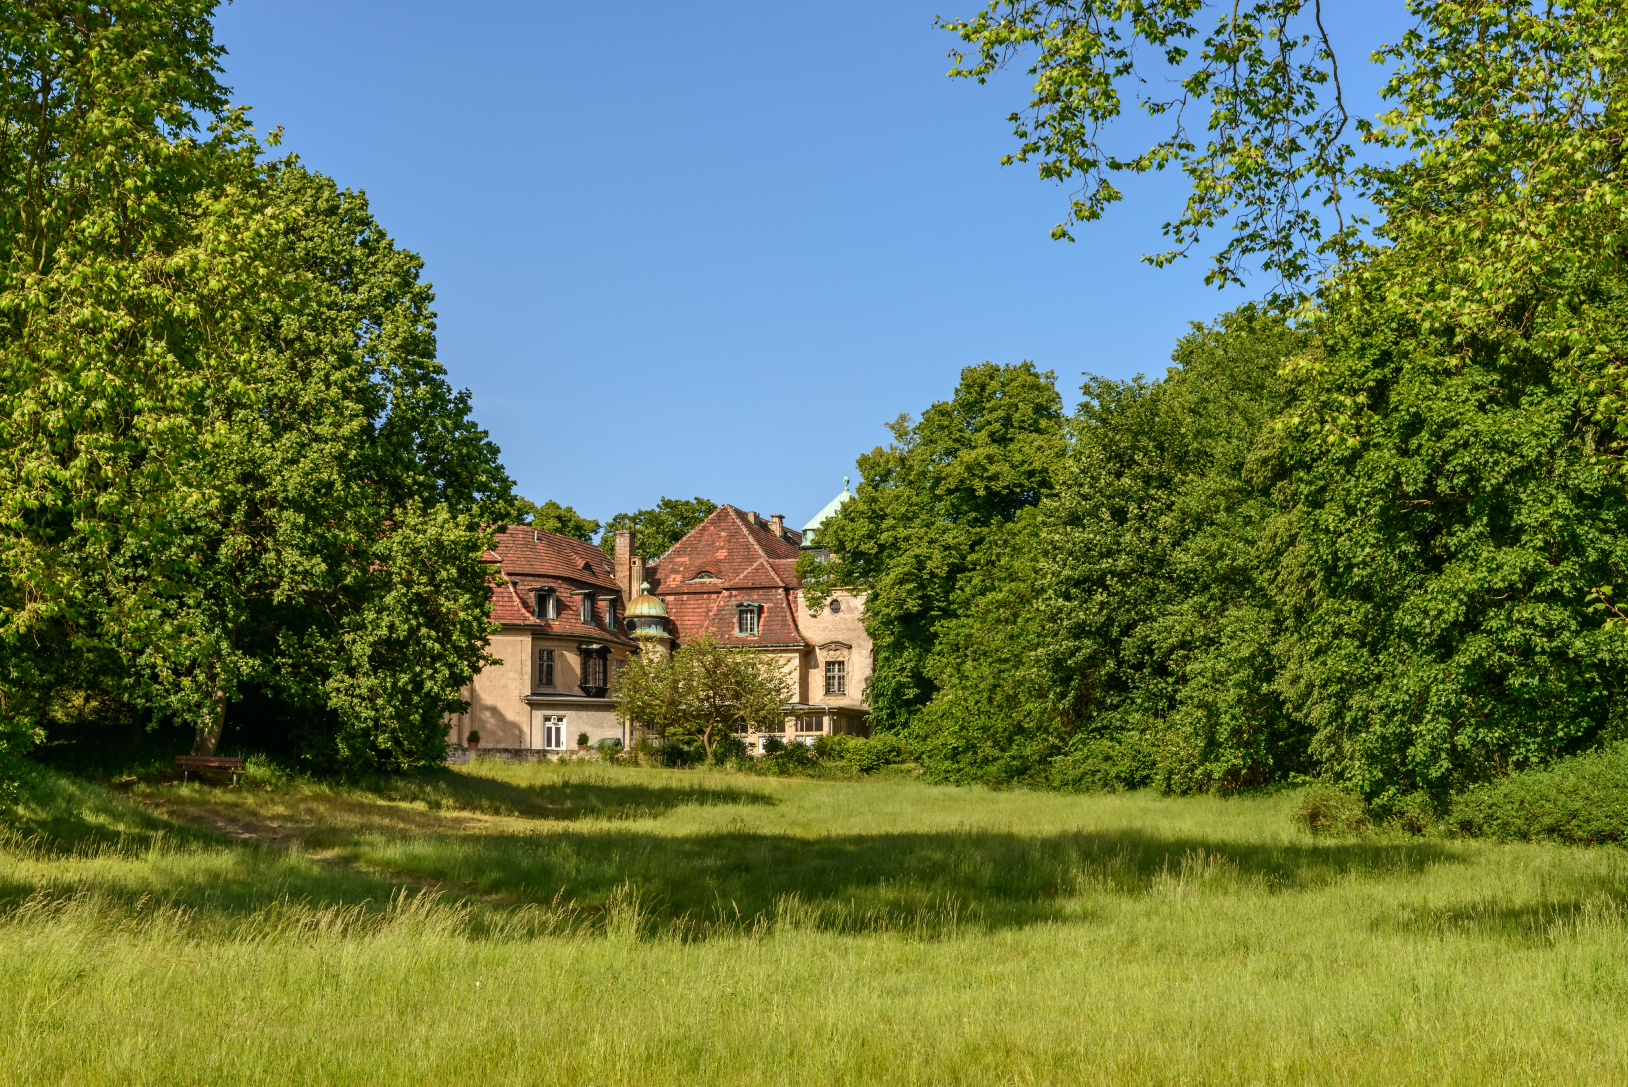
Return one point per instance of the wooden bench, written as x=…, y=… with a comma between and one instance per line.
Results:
x=201, y=763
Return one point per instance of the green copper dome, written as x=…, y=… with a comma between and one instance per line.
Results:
x=646, y=605
x=810, y=529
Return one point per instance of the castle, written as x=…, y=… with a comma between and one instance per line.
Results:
x=568, y=615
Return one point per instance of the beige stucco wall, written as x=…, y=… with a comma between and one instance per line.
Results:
x=498, y=694
x=838, y=635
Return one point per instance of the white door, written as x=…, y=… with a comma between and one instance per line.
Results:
x=547, y=731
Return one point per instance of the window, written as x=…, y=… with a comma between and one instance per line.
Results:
x=811, y=724
x=836, y=606
x=545, y=668
x=588, y=608
x=746, y=618
x=610, y=613
x=836, y=677
x=593, y=670
x=706, y=575
x=616, y=674
x=546, y=604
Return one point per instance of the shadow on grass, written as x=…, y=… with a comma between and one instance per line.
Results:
x=563, y=798
x=989, y=879
x=731, y=878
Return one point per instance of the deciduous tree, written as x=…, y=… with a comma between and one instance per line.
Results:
x=704, y=691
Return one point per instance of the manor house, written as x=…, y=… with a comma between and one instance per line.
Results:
x=570, y=617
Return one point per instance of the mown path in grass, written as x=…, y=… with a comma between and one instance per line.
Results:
x=594, y=924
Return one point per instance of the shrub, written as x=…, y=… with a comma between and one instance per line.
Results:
x=473, y=737
x=1324, y=809
x=774, y=745
x=866, y=755
x=1582, y=799
x=582, y=739
x=260, y=770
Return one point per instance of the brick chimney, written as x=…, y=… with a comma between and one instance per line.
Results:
x=777, y=524
x=624, y=563
x=751, y=517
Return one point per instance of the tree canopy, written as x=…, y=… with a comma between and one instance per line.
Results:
x=553, y=517
x=658, y=529
x=235, y=473
x=704, y=691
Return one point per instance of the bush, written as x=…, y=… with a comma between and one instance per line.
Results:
x=473, y=737
x=1582, y=799
x=865, y=754
x=1324, y=809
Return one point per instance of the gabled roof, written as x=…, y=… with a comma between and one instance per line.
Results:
x=750, y=564
x=741, y=553
x=811, y=529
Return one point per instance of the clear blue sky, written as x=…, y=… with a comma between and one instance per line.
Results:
x=710, y=248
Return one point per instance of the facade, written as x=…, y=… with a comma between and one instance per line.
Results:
x=562, y=642
x=570, y=617
x=734, y=576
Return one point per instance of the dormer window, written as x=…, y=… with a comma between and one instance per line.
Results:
x=588, y=609
x=610, y=613
x=545, y=604
x=746, y=618
x=706, y=575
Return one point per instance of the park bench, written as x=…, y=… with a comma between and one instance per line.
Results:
x=188, y=763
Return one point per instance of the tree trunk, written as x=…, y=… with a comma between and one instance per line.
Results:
x=206, y=738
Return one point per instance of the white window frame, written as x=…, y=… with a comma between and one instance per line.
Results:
x=748, y=615
x=836, y=670
x=547, y=732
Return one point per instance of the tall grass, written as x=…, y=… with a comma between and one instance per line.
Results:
x=547, y=924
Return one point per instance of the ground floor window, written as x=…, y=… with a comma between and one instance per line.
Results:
x=814, y=723
x=547, y=731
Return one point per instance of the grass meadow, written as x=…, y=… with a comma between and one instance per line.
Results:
x=594, y=924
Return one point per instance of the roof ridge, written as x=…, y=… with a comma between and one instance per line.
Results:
x=763, y=556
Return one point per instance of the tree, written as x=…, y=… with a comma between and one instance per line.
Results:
x=553, y=517
x=923, y=510
x=703, y=691
x=660, y=528
x=132, y=258
x=1162, y=549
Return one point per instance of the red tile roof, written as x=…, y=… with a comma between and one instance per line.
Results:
x=529, y=559
x=728, y=560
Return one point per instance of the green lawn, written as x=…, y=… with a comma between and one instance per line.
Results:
x=586, y=924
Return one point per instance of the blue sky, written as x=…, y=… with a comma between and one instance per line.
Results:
x=732, y=238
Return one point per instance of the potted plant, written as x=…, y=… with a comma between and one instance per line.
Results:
x=582, y=741
x=473, y=739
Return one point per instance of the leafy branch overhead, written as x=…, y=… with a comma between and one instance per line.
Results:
x=1507, y=120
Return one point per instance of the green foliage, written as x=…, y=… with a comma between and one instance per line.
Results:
x=925, y=508
x=236, y=469
x=553, y=517
x=129, y=266
x=472, y=736
x=1324, y=809
x=1582, y=799
x=660, y=528
x=703, y=692
x=1161, y=552
x=1452, y=518
x=867, y=754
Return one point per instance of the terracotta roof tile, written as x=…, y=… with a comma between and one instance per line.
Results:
x=725, y=561
x=528, y=560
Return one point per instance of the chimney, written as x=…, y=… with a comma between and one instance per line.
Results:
x=751, y=517
x=777, y=523
x=624, y=559
x=636, y=576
